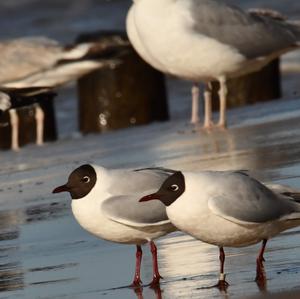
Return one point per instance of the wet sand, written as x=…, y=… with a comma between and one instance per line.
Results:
x=45, y=254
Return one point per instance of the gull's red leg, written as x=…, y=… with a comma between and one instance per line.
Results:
x=260, y=271
x=158, y=292
x=156, y=276
x=137, y=282
x=139, y=292
x=222, y=283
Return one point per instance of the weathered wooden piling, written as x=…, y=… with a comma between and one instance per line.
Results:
x=260, y=86
x=130, y=93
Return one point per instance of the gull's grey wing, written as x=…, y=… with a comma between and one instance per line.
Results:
x=254, y=35
x=24, y=56
x=128, y=210
x=249, y=201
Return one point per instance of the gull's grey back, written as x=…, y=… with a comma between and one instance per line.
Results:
x=245, y=199
x=253, y=35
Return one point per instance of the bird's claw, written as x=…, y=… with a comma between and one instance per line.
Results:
x=137, y=283
x=155, y=281
x=222, y=285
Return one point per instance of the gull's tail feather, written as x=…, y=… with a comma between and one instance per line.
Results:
x=293, y=26
x=76, y=52
x=96, y=45
x=296, y=29
x=293, y=195
x=266, y=12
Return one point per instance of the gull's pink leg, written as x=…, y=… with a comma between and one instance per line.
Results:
x=208, y=123
x=14, y=122
x=39, y=118
x=137, y=275
x=222, y=95
x=156, y=275
x=195, y=104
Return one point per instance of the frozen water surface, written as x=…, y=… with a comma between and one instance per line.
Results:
x=45, y=254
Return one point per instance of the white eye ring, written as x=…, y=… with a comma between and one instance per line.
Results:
x=86, y=179
x=174, y=188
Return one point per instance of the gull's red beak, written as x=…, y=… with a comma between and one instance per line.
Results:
x=63, y=188
x=150, y=197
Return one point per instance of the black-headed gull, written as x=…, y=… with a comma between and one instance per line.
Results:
x=207, y=40
x=105, y=203
x=227, y=209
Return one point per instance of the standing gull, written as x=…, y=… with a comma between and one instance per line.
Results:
x=105, y=203
x=207, y=40
x=39, y=61
x=227, y=209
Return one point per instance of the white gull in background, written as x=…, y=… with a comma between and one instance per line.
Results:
x=39, y=61
x=207, y=40
x=227, y=209
x=105, y=203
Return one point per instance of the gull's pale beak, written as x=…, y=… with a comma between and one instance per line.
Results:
x=150, y=197
x=63, y=188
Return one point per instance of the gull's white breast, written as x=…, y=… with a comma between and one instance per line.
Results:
x=137, y=41
x=166, y=30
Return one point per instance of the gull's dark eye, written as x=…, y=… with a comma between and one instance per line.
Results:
x=174, y=188
x=86, y=179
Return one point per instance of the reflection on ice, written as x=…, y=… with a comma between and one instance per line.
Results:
x=181, y=250
x=11, y=277
x=40, y=242
x=12, y=271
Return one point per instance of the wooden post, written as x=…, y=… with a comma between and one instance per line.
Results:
x=132, y=93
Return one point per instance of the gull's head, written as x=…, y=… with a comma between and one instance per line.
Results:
x=80, y=182
x=170, y=190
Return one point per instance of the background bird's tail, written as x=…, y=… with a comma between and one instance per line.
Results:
x=293, y=195
x=296, y=30
x=275, y=15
